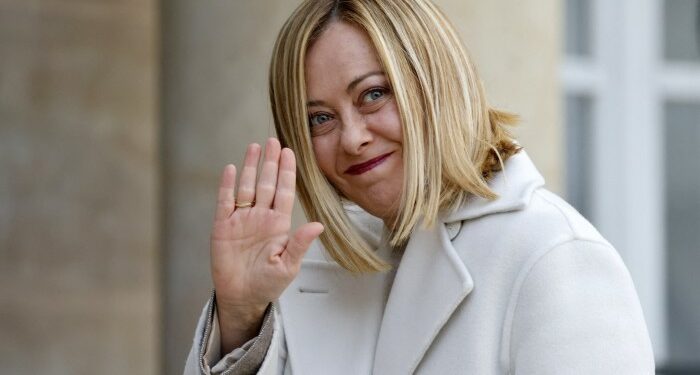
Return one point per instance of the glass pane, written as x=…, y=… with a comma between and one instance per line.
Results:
x=682, y=30
x=579, y=140
x=682, y=165
x=578, y=27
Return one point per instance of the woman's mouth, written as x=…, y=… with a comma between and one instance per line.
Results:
x=368, y=165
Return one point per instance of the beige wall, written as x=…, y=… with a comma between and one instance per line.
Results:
x=78, y=178
x=516, y=46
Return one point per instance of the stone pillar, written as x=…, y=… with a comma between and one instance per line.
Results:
x=215, y=58
x=78, y=187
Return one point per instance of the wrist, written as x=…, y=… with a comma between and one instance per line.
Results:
x=240, y=317
x=238, y=324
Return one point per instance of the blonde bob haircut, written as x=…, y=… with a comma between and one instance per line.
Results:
x=452, y=140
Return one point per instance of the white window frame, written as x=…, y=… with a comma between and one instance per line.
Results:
x=629, y=82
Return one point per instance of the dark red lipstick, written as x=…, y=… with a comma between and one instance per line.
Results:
x=366, y=166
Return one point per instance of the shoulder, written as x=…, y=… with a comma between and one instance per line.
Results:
x=572, y=303
x=556, y=227
x=563, y=252
x=546, y=203
x=571, y=296
x=525, y=217
x=541, y=224
x=547, y=253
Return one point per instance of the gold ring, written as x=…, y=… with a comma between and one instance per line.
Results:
x=244, y=205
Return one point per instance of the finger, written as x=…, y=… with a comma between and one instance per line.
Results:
x=265, y=190
x=300, y=241
x=246, y=185
x=225, y=202
x=284, y=196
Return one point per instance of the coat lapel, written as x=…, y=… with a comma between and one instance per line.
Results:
x=432, y=279
x=331, y=319
x=514, y=187
x=430, y=283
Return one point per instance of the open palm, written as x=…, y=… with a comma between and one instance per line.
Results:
x=253, y=253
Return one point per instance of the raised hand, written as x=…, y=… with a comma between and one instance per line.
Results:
x=254, y=256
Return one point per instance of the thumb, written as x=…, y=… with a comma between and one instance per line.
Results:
x=301, y=239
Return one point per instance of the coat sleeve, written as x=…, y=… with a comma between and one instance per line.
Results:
x=577, y=312
x=264, y=355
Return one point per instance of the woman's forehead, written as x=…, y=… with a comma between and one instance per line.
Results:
x=342, y=52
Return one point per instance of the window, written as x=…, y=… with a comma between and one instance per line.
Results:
x=631, y=78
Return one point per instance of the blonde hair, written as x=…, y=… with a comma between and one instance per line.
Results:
x=452, y=140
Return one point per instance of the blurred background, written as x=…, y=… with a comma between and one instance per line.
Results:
x=116, y=118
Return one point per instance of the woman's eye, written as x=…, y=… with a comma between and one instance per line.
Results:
x=319, y=119
x=372, y=95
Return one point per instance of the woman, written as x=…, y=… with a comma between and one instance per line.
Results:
x=466, y=263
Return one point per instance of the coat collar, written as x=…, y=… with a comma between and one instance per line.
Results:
x=514, y=187
x=432, y=280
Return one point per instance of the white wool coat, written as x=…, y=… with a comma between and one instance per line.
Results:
x=519, y=285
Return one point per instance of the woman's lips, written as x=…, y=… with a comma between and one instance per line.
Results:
x=366, y=166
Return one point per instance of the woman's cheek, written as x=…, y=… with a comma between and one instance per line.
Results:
x=388, y=121
x=325, y=155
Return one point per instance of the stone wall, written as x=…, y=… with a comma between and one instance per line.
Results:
x=78, y=187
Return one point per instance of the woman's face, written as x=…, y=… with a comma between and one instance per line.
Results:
x=353, y=120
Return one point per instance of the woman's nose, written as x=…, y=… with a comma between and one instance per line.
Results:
x=356, y=135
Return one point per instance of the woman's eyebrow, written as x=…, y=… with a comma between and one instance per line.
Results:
x=359, y=79
x=351, y=86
